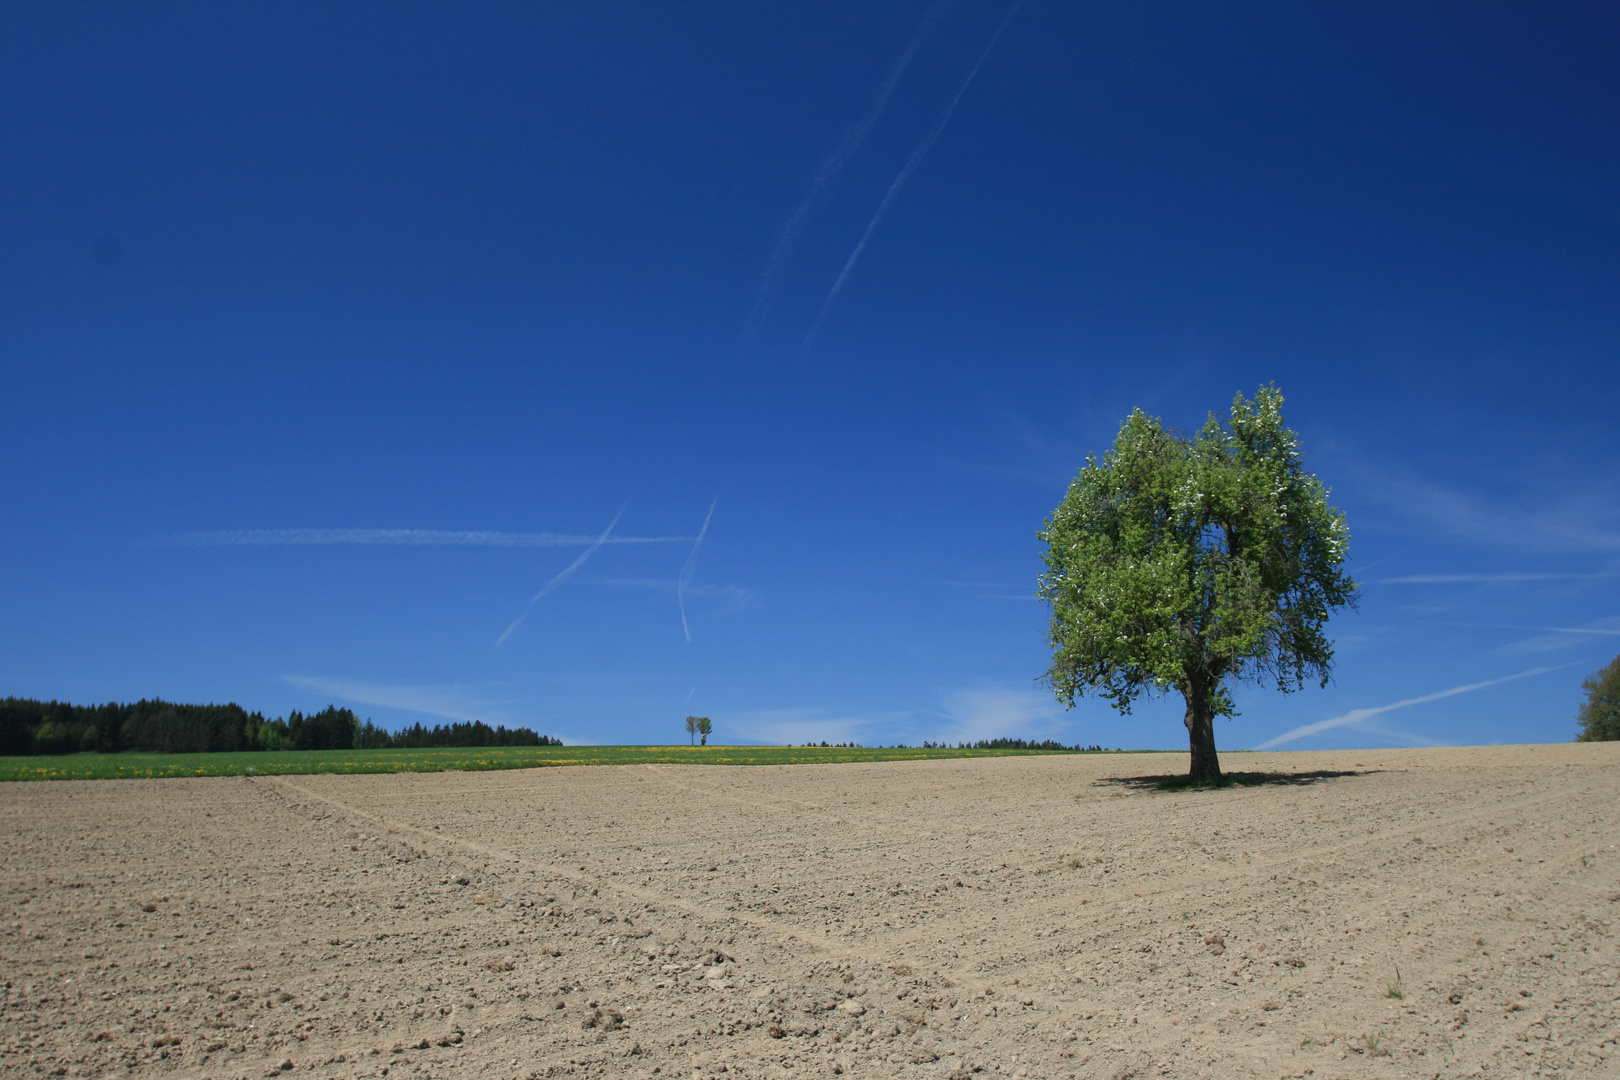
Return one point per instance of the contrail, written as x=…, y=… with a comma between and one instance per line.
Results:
x=560, y=578
x=905, y=172
x=401, y=537
x=686, y=571
x=1355, y=715
x=1539, y=629
x=1482, y=579
x=822, y=180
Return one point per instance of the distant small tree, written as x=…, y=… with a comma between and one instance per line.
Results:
x=1179, y=563
x=1600, y=712
x=691, y=729
x=704, y=726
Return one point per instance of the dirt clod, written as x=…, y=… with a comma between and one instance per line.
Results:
x=604, y=1019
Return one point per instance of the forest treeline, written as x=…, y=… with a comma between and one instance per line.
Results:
x=56, y=727
x=1016, y=744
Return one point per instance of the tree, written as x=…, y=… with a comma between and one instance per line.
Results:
x=704, y=727
x=1600, y=712
x=1185, y=563
x=691, y=729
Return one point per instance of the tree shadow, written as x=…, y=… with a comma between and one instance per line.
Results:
x=1227, y=780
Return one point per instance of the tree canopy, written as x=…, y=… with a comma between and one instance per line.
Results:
x=1600, y=712
x=1186, y=563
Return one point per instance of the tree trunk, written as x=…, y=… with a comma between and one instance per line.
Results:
x=1200, y=723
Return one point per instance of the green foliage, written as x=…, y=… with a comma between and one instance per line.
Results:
x=1600, y=712
x=55, y=727
x=289, y=762
x=1179, y=563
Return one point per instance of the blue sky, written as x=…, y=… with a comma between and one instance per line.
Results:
x=333, y=338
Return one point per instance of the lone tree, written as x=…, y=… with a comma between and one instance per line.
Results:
x=1185, y=563
x=704, y=727
x=1600, y=712
x=691, y=729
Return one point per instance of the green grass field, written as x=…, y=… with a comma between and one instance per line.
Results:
x=286, y=762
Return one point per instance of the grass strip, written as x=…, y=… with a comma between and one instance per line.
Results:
x=133, y=766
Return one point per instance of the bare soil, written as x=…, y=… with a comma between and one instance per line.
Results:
x=1444, y=912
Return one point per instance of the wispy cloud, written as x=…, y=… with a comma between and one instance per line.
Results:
x=1408, y=737
x=447, y=702
x=403, y=538
x=728, y=598
x=905, y=173
x=1585, y=517
x=825, y=177
x=1545, y=639
x=450, y=702
x=1357, y=717
x=964, y=716
x=802, y=725
x=1610, y=631
x=566, y=573
x=1575, y=630
x=992, y=713
x=1484, y=579
x=685, y=580
x=652, y=584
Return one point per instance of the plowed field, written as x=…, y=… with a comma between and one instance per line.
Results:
x=1443, y=912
